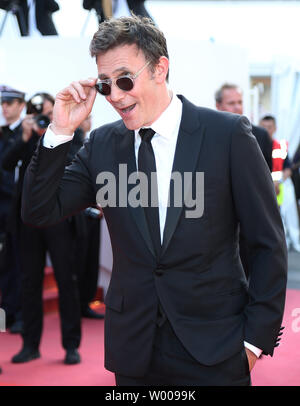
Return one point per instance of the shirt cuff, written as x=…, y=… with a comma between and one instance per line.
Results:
x=52, y=140
x=255, y=350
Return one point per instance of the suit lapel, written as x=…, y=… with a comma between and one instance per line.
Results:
x=190, y=137
x=126, y=155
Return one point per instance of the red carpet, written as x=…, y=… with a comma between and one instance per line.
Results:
x=49, y=370
x=284, y=368
x=281, y=370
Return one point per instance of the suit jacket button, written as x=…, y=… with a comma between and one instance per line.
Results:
x=158, y=272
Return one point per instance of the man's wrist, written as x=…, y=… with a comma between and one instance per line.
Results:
x=256, y=351
x=52, y=140
x=60, y=130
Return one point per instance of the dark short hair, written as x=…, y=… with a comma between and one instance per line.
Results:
x=133, y=30
x=225, y=86
x=268, y=118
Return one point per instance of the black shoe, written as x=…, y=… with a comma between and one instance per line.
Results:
x=16, y=327
x=72, y=357
x=25, y=355
x=91, y=314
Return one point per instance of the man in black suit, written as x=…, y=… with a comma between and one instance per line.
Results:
x=179, y=310
x=42, y=11
x=34, y=243
x=230, y=98
x=12, y=103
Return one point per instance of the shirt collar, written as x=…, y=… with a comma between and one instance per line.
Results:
x=167, y=122
x=14, y=125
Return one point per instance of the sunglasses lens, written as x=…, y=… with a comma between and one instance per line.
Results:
x=124, y=83
x=103, y=88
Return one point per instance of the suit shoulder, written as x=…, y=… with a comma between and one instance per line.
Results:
x=106, y=131
x=208, y=115
x=223, y=121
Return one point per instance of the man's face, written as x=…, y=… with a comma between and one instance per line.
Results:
x=270, y=126
x=48, y=109
x=141, y=105
x=12, y=110
x=232, y=101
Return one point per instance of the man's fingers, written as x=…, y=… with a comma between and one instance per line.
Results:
x=78, y=90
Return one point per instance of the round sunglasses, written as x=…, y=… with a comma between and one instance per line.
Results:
x=124, y=83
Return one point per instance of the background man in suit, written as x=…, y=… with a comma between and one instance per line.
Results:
x=12, y=103
x=230, y=98
x=179, y=310
x=34, y=243
x=33, y=16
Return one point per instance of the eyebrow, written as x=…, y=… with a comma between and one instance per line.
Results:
x=122, y=69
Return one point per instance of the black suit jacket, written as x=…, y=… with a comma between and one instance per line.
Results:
x=18, y=151
x=198, y=277
x=43, y=14
x=265, y=143
x=7, y=176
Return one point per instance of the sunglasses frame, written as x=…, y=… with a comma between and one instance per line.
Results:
x=111, y=82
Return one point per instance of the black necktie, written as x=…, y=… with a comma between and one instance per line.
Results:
x=146, y=164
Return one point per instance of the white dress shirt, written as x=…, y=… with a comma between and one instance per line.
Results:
x=164, y=141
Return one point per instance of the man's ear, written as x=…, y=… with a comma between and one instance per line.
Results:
x=161, y=69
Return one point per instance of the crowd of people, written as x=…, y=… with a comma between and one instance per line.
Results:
x=162, y=301
x=72, y=245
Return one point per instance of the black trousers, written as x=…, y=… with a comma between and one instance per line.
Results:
x=87, y=260
x=10, y=274
x=172, y=365
x=58, y=240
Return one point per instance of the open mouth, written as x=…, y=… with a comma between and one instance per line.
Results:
x=128, y=109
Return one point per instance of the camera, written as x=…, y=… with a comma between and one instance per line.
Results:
x=35, y=106
x=42, y=121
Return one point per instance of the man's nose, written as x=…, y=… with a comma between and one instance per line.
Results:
x=116, y=94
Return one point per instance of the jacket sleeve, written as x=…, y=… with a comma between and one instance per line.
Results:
x=51, y=191
x=259, y=217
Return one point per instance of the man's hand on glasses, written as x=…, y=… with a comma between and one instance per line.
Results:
x=73, y=105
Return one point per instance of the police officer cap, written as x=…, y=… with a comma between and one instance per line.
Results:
x=8, y=93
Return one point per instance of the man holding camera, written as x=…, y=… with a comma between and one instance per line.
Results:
x=58, y=240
